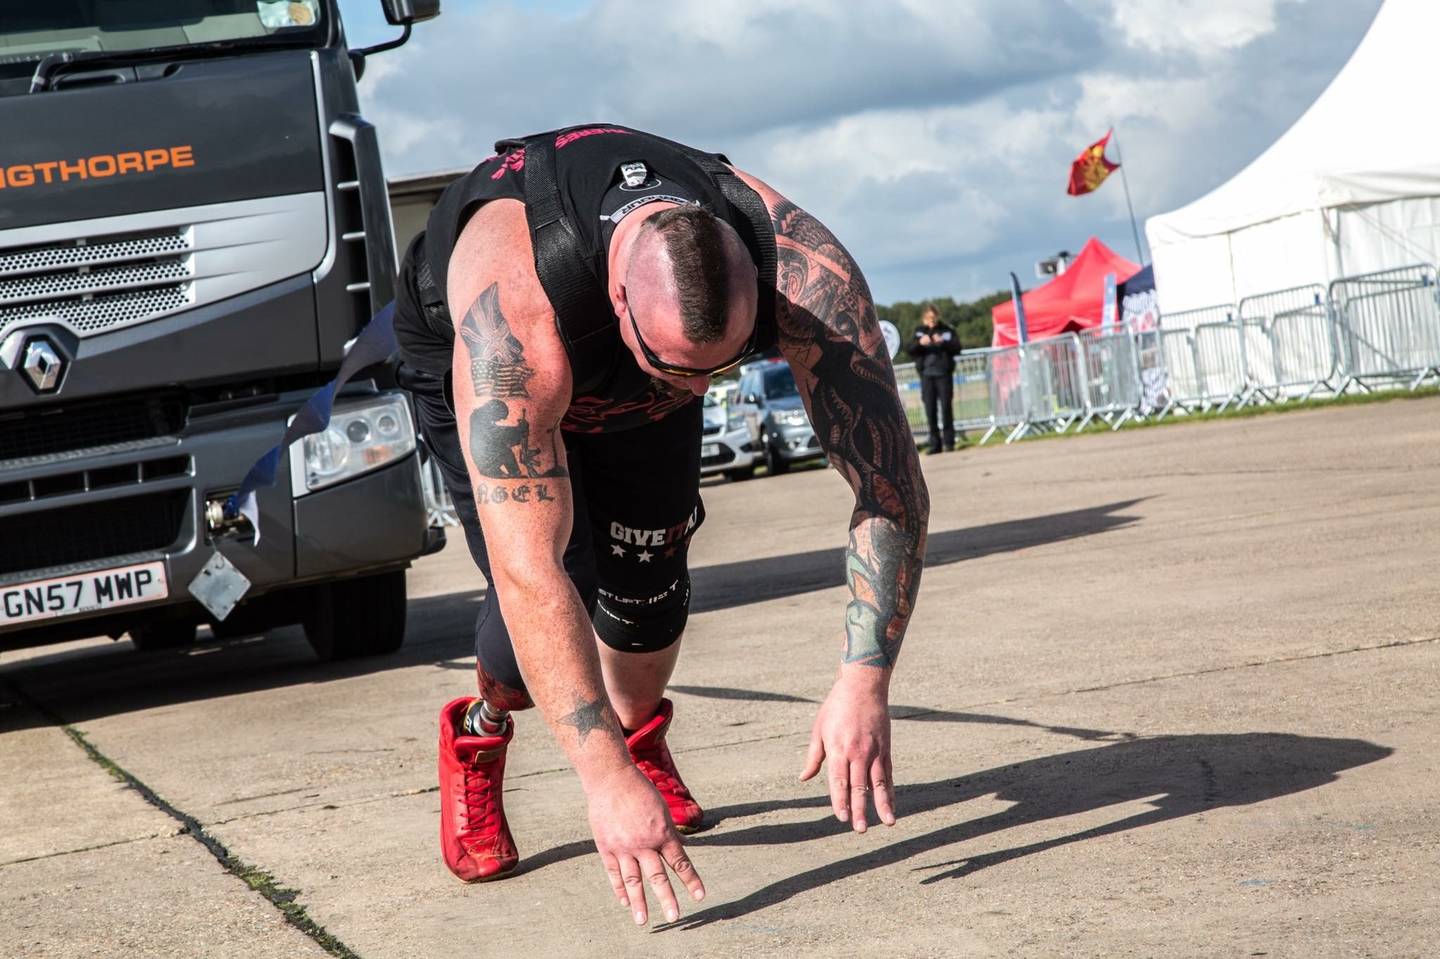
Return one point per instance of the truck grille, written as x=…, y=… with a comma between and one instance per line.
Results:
x=91, y=531
x=93, y=480
x=66, y=429
x=97, y=284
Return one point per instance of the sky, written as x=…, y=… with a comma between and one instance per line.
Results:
x=934, y=137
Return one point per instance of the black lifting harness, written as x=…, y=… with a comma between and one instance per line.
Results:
x=582, y=309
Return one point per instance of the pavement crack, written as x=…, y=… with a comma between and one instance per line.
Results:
x=84, y=849
x=262, y=882
x=1279, y=660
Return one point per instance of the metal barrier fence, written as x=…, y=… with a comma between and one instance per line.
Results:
x=1189, y=319
x=1290, y=343
x=972, y=391
x=1112, y=378
x=1388, y=325
x=1361, y=332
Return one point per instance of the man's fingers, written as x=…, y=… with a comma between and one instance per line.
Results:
x=634, y=888
x=612, y=872
x=883, y=791
x=659, y=881
x=683, y=868
x=859, y=795
x=814, y=757
x=840, y=790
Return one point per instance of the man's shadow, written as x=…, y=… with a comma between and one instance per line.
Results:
x=1176, y=776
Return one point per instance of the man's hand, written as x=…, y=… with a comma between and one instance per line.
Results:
x=852, y=732
x=637, y=841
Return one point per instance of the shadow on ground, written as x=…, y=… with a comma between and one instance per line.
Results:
x=754, y=581
x=1174, y=776
x=923, y=714
x=74, y=685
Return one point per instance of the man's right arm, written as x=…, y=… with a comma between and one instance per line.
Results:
x=512, y=387
x=508, y=405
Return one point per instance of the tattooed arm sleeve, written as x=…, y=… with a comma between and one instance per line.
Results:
x=829, y=333
x=512, y=387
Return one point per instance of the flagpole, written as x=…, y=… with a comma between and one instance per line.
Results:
x=1125, y=182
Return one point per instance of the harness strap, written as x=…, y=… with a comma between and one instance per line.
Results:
x=761, y=232
x=582, y=309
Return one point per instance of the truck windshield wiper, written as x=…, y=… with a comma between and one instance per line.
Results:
x=55, y=64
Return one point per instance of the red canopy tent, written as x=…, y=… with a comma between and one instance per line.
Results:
x=1072, y=301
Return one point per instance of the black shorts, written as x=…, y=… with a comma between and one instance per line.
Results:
x=636, y=505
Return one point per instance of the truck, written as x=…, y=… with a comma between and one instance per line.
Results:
x=193, y=226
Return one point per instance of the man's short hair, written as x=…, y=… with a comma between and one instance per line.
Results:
x=692, y=237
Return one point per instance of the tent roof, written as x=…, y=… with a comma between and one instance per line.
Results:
x=1075, y=298
x=1365, y=140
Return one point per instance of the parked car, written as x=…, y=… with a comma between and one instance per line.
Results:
x=727, y=446
x=775, y=415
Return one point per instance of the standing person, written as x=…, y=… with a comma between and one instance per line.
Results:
x=934, y=347
x=558, y=321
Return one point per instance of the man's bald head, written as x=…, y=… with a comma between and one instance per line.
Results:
x=689, y=257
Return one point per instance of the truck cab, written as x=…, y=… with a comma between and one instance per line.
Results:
x=193, y=226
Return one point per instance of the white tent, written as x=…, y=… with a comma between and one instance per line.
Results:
x=1352, y=187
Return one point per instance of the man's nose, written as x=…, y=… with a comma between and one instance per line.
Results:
x=697, y=384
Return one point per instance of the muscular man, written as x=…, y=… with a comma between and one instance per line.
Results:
x=595, y=279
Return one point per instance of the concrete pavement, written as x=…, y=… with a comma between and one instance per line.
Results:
x=1168, y=693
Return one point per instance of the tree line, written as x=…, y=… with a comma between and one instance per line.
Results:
x=971, y=321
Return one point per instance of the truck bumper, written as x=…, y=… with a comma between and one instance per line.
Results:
x=75, y=513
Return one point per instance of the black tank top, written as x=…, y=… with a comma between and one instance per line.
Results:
x=604, y=173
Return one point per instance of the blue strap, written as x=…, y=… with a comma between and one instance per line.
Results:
x=375, y=344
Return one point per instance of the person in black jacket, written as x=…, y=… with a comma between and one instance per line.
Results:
x=933, y=347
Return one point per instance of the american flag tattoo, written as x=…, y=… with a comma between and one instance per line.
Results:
x=497, y=360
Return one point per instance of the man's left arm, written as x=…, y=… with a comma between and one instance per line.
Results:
x=829, y=333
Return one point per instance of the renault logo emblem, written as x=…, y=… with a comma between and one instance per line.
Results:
x=42, y=365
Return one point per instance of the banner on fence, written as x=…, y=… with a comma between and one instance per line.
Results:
x=1140, y=314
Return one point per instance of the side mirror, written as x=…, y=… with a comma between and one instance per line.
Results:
x=399, y=13
x=754, y=399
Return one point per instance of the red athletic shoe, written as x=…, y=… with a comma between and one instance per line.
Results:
x=474, y=837
x=647, y=749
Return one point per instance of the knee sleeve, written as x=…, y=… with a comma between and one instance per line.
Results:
x=643, y=624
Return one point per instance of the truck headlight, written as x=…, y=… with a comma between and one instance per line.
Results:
x=363, y=435
x=792, y=418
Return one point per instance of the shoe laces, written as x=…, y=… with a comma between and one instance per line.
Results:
x=657, y=768
x=482, y=807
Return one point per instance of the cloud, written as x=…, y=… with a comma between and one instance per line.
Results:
x=1203, y=27
x=934, y=136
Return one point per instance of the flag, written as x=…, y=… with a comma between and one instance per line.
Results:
x=1022, y=328
x=1091, y=168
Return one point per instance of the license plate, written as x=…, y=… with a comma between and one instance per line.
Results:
x=82, y=593
x=710, y=449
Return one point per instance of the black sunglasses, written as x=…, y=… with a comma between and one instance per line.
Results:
x=674, y=370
